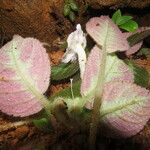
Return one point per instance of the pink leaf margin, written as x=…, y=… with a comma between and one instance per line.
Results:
x=137, y=46
x=131, y=119
x=90, y=77
x=105, y=32
x=16, y=96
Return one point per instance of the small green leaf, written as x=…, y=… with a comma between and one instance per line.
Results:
x=72, y=16
x=136, y=38
x=116, y=16
x=141, y=76
x=43, y=124
x=74, y=6
x=64, y=71
x=124, y=19
x=129, y=26
x=145, y=52
x=67, y=10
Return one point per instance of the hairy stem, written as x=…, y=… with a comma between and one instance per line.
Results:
x=97, y=100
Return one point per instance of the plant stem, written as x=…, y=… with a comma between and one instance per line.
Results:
x=97, y=100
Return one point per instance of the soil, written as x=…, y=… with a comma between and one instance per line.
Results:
x=44, y=19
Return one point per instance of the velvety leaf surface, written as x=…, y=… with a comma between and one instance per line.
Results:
x=24, y=76
x=116, y=70
x=107, y=34
x=129, y=26
x=64, y=71
x=141, y=75
x=67, y=91
x=136, y=36
x=125, y=108
x=132, y=49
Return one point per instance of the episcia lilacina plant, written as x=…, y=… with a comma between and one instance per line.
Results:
x=110, y=91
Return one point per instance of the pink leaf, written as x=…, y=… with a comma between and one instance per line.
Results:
x=24, y=76
x=116, y=70
x=125, y=108
x=106, y=33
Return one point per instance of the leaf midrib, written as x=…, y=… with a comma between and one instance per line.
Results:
x=40, y=97
x=119, y=107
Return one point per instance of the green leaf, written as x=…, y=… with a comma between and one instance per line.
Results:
x=141, y=76
x=67, y=91
x=43, y=124
x=145, y=52
x=74, y=6
x=136, y=38
x=64, y=71
x=67, y=10
x=129, y=26
x=116, y=16
x=124, y=19
x=72, y=16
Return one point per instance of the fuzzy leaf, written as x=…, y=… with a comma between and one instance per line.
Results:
x=119, y=19
x=129, y=26
x=141, y=76
x=116, y=16
x=133, y=49
x=125, y=108
x=139, y=35
x=67, y=91
x=116, y=70
x=25, y=74
x=135, y=39
x=64, y=71
x=107, y=34
x=124, y=19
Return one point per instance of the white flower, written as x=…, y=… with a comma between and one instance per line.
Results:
x=76, y=48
